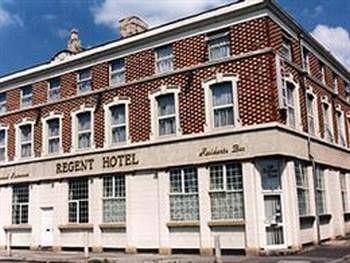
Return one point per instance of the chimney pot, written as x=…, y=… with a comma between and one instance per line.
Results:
x=74, y=44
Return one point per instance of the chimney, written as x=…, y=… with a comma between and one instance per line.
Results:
x=74, y=43
x=132, y=25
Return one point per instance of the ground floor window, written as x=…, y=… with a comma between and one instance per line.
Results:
x=320, y=191
x=303, y=191
x=226, y=191
x=184, y=201
x=78, y=201
x=20, y=204
x=344, y=193
x=114, y=201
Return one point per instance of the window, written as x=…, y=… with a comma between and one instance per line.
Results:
x=306, y=59
x=117, y=72
x=84, y=81
x=166, y=114
x=320, y=191
x=291, y=100
x=78, y=201
x=3, y=143
x=84, y=130
x=223, y=107
x=323, y=73
x=344, y=194
x=328, y=131
x=310, y=107
x=3, y=99
x=54, y=89
x=184, y=202
x=53, y=135
x=20, y=204
x=347, y=91
x=114, y=201
x=335, y=84
x=25, y=140
x=340, y=127
x=286, y=49
x=164, y=59
x=226, y=192
x=301, y=177
x=218, y=46
x=26, y=97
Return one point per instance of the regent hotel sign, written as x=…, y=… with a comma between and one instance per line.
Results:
x=110, y=161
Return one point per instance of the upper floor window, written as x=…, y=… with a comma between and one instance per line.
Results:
x=323, y=73
x=306, y=59
x=78, y=201
x=291, y=104
x=327, y=122
x=54, y=89
x=3, y=144
x=25, y=139
x=226, y=191
x=84, y=80
x=116, y=120
x=340, y=127
x=52, y=135
x=117, y=72
x=335, y=84
x=347, y=91
x=164, y=59
x=26, y=97
x=84, y=130
x=3, y=100
x=20, y=204
x=114, y=199
x=310, y=100
x=184, y=199
x=219, y=45
x=286, y=49
x=320, y=191
x=303, y=191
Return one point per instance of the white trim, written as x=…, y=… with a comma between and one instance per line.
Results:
x=206, y=84
x=108, y=138
x=158, y=59
x=296, y=97
x=18, y=125
x=341, y=125
x=83, y=108
x=325, y=102
x=110, y=72
x=5, y=128
x=163, y=90
x=310, y=92
x=56, y=88
x=51, y=116
x=79, y=81
x=25, y=97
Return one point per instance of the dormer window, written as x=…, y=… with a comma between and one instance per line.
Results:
x=164, y=59
x=117, y=72
x=84, y=80
x=26, y=97
x=218, y=45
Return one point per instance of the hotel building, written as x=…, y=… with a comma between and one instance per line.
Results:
x=232, y=123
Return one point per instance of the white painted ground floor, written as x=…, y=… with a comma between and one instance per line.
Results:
x=249, y=193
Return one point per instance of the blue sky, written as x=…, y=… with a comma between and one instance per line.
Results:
x=31, y=31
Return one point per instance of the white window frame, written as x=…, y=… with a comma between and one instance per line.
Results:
x=296, y=98
x=335, y=84
x=304, y=186
x=5, y=147
x=344, y=189
x=158, y=59
x=108, y=127
x=306, y=59
x=24, y=122
x=45, y=138
x=3, y=104
x=75, y=135
x=209, y=109
x=340, y=125
x=323, y=74
x=119, y=71
x=49, y=89
x=309, y=92
x=287, y=45
x=327, y=120
x=214, y=36
x=321, y=189
x=79, y=81
x=164, y=90
x=26, y=97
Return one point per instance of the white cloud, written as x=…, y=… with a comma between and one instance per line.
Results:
x=154, y=12
x=7, y=18
x=336, y=40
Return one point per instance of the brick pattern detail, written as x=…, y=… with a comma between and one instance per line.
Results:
x=140, y=65
x=68, y=85
x=40, y=90
x=189, y=51
x=100, y=76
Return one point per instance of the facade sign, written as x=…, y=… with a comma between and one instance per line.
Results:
x=214, y=151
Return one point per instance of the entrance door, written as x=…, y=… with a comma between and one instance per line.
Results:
x=270, y=171
x=46, y=227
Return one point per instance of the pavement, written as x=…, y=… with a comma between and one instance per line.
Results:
x=337, y=251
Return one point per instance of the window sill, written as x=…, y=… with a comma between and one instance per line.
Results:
x=179, y=224
x=112, y=226
x=23, y=227
x=226, y=223
x=77, y=227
